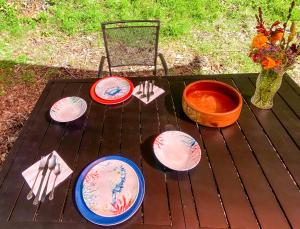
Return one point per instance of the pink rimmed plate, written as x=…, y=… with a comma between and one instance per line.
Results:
x=110, y=188
x=177, y=150
x=68, y=109
x=113, y=88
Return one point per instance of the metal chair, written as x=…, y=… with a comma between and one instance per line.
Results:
x=131, y=43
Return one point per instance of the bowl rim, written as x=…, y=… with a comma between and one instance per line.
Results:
x=236, y=92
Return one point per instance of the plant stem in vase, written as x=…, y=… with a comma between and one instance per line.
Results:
x=267, y=84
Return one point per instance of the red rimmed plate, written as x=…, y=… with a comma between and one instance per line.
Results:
x=111, y=90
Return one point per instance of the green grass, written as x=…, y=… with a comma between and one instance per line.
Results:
x=218, y=23
x=178, y=16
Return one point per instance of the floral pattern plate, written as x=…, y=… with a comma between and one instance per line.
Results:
x=68, y=109
x=177, y=150
x=109, y=190
x=113, y=88
x=103, y=91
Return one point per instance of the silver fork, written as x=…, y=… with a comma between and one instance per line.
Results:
x=56, y=173
x=41, y=167
x=144, y=85
x=52, y=163
x=140, y=89
x=45, y=169
x=152, y=86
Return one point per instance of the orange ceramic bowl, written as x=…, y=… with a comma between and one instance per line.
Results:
x=212, y=103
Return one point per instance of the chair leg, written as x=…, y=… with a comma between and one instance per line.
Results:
x=164, y=63
x=101, y=66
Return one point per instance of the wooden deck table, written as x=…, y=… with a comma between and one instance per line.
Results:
x=248, y=177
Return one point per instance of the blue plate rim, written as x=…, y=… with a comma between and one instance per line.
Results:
x=108, y=221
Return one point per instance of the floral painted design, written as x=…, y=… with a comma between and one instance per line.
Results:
x=159, y=141
x=191, y=143
x=110, y=188
x=177, y=150
x=121, y=205
x=116, y=92
x=112, y=88
x=68, y=109
x=119, y=186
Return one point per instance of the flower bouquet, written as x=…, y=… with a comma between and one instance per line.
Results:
x=276, y=49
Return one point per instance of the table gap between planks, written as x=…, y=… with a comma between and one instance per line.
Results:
x=248, y=177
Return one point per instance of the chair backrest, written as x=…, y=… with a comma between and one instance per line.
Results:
x=129, y=43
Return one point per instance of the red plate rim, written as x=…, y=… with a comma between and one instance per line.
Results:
x=105, y=101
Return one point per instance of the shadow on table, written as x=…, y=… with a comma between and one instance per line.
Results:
x=31, y=80
x=149, y=156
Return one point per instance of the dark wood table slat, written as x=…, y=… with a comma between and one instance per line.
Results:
x=167, y=118
x=290, y=96
x=88, y=152
x=293, y=84
x=257, y=186
x=276, y=173
x=240, y=214
x=286, y=116
x=258, y=190
x=130, y=134
x=26, y=155
x=156, y=209
x=208, y=203
x=52, y=225
x=226, y=176
x=69, y=146
x=188, y=202
x=190, y=208
x=24, y=209
x=207, y=196
x=248, y=176
x=111, y=141
x=279, y=138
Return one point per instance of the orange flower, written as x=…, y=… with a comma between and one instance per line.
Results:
x=259, y=41
x=269, y=63
x=276, y=36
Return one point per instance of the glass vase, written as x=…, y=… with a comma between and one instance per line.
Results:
x=267, y=84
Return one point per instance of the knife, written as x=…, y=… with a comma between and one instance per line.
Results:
x=148, y=93
x=36, y=199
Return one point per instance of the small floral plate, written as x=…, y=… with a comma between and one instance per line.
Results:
x=68, y=109
x=109, y=190
x=177, y=150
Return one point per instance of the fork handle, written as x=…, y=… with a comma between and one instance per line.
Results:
x=30, y=193
x=152, y=85
x=36, y=199
x=51, y=196
x=45, y=189
x=144, y=85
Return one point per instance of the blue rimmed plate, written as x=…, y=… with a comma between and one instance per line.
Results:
x=110, y=190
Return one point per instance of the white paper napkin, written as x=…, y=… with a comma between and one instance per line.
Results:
x=157, y=92
x=30, y=174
